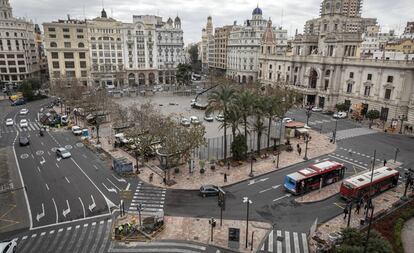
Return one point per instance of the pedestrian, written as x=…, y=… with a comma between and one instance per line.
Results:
x=385, y=162
x=345, y=212
x=225, y=177
x=297, y=146
x=358, y=207
x=411, y=129
x=299, y=151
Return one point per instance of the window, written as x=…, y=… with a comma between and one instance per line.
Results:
x=67, y=44
x=81, y=55
x=84, y=73
x=51, y=29
x=387, y=94
x=81, y=45
x=20, y=62
x=53, y=36
x=349, y=88
x=55, y=55
x=68, y=55
x=79, y=30
x=369, y=77
x=367, y=91
x=270, y=66
x=80, y=36
x=53, y=44
x=326, y=84
x=66, y=36
x=69, y=64
x=22, y=70
x=65, y=30
x=270, y=76
x=351, y=74
x=390, y=79
x=82, y=64
x=55, y=64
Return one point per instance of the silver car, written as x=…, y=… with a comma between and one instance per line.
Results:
x=63, y=153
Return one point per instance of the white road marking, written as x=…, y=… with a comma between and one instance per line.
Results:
x=47, y=187
x=52, y=232
x=83, y=207
x=60, y=230
x=296, y=242
x=305, y=243
x=254, y=181
x=128, y=186
x=38, y=168
x=42, y=214
x=34, y=235
x=24, y=237
x=77, y=227
x=270, y=249
x=284, y=196
x=56, y=210
x=67, y=180
x=287, y=240
x=273, y=187
x=347, y=161
x=66, y=211
x=48, y=153
x=113, y=184
x=119, y=179
x=93, y=205
x=95, y=167
x=69, y=228
x=109, y=189
x=57, y=165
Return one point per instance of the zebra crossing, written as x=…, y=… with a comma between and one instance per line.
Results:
x=280, y=241
x=31, y=126
x=150, y=197
x=353, y=132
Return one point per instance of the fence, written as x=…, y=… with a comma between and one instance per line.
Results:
x=214, y=148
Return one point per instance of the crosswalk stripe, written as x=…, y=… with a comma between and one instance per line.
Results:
x=270, y=249
x=287, y=242
x=106, y=236
x=98, y=235
x=305, y=243
x=296, y=242
x=279, y=243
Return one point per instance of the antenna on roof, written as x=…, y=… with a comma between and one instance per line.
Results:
x=84, y=14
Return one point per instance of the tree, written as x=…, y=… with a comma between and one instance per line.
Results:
x=244, y=101
x=183, y=74
x=342, y=107
x=221, y=100
x=26, y=89
x=239, y=148
x=354, y=242
x=372, y=115
x=258, y=123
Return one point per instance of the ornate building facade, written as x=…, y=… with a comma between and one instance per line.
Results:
x=19, y=58
x=207, y=44
x=326, y=67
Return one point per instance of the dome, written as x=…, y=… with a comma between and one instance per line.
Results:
x=257, y=11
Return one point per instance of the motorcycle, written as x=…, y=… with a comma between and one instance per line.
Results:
x=41, y=133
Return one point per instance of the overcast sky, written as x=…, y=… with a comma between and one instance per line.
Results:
x=193, y=13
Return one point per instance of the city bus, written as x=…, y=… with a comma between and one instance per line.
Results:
x=358, y=186
x=314, y=177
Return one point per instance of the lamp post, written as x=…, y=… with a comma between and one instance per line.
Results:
x=408, y=181
x=306, y=147
x=212, y=222
x=369, y=228
x=402, y=118
x=336, y=127
x=251, y=163
x=248, y=202
x=397, y=150
x=280, y=142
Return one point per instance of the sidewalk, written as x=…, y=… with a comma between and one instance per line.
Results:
x=319, y=145
x=382, y=204
x=330, y=190
x=407, y=236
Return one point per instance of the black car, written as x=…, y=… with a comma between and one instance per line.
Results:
x=19, y=102
x=209, y=190
x=24, y=141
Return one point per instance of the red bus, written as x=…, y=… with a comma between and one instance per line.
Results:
x=311, y=178
x=357, y=187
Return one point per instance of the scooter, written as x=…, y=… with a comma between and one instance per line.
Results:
x=41, y=133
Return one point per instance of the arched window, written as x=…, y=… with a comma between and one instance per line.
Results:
x=81, y=45
x=141, y=79
x=53, y=44
x=328, y=72
x=313, y=78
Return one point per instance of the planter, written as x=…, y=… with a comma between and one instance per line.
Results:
x=212, y=167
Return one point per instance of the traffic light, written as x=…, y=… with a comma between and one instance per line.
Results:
x=222, y=199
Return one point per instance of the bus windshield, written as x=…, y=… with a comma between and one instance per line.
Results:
x=290, y=184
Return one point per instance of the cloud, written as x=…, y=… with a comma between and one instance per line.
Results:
x=193, y=13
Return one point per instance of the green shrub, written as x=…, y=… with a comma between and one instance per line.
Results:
x=239, y=148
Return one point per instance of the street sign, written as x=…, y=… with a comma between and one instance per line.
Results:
x=125, y=195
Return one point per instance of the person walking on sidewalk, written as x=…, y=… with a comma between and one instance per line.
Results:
x=385, y=162
x=345, y=212
x=358, y=207
x=299, y=150
x=225, y=177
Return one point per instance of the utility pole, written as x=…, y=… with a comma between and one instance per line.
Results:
x=212, y=222
x=349, y=213
x=306, y=147
x=370, y=184
x=334, y=133
x=369, y=228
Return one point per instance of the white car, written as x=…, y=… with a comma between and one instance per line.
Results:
x=24, y=111
x=9, y=122
x=185, y=122
x=286, y=120
x=8, y=247
x=340, y=115
x=24, y=123
x=193, y=102
x=220, y=117
x=316, y=109
x=208, y=118
x=194, y=120
x=63, y=153
x=76, y=130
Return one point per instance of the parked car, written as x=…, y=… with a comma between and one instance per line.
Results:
x=208, y=118
x=24, y=111
x=220, y=117
x=8, y=246
x=185, y=122
x=9, y=122
x=76, y=130
x=63, y=153
x=340, y=115
x=120, y=139
x=193, y=102
x=24, y=140
x=209, y=190
x=24, y=123
x=64, y=120
x=19, y=102
x=287, y=120
x=194, y=120
x=316, y=109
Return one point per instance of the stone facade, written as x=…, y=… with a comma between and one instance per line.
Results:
x=19, y=58
x=326, y=67
x=221, y=36
x=207, y=48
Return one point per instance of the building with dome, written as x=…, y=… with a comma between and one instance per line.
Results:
x=19, y=57
x=243, y=49
x=325, y=65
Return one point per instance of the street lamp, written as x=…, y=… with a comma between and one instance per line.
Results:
x=248, y=202
x=402, y=118
x=280, y=141
x=369, y=227
x=306, y=147
x=408, y=181
x=251, y=163
x=212, y=222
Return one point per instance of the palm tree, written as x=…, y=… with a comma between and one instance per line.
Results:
x=269, y=110
x=258, y=124
x=244, y=102
x=234, y=118
x=221, y=100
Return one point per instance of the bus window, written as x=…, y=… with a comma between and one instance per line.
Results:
x=290, y=184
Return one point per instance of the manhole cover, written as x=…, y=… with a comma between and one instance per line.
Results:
x=24, y=156
x=79, y=145
x=68, y=147
x=39, y=152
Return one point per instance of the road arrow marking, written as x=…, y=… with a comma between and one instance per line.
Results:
x=58, y=159
x=285, y=196
x=41, y=215
x=109, y=189
x=273, y=187
x=66, y=211
x=257, y=181
x=91, y=207
x=43, y=161
x=128, y=186
x=119, y=179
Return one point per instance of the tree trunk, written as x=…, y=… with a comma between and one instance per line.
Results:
x=225, y=140
x=245, y=127
x=268, y=132
x=259, y=137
